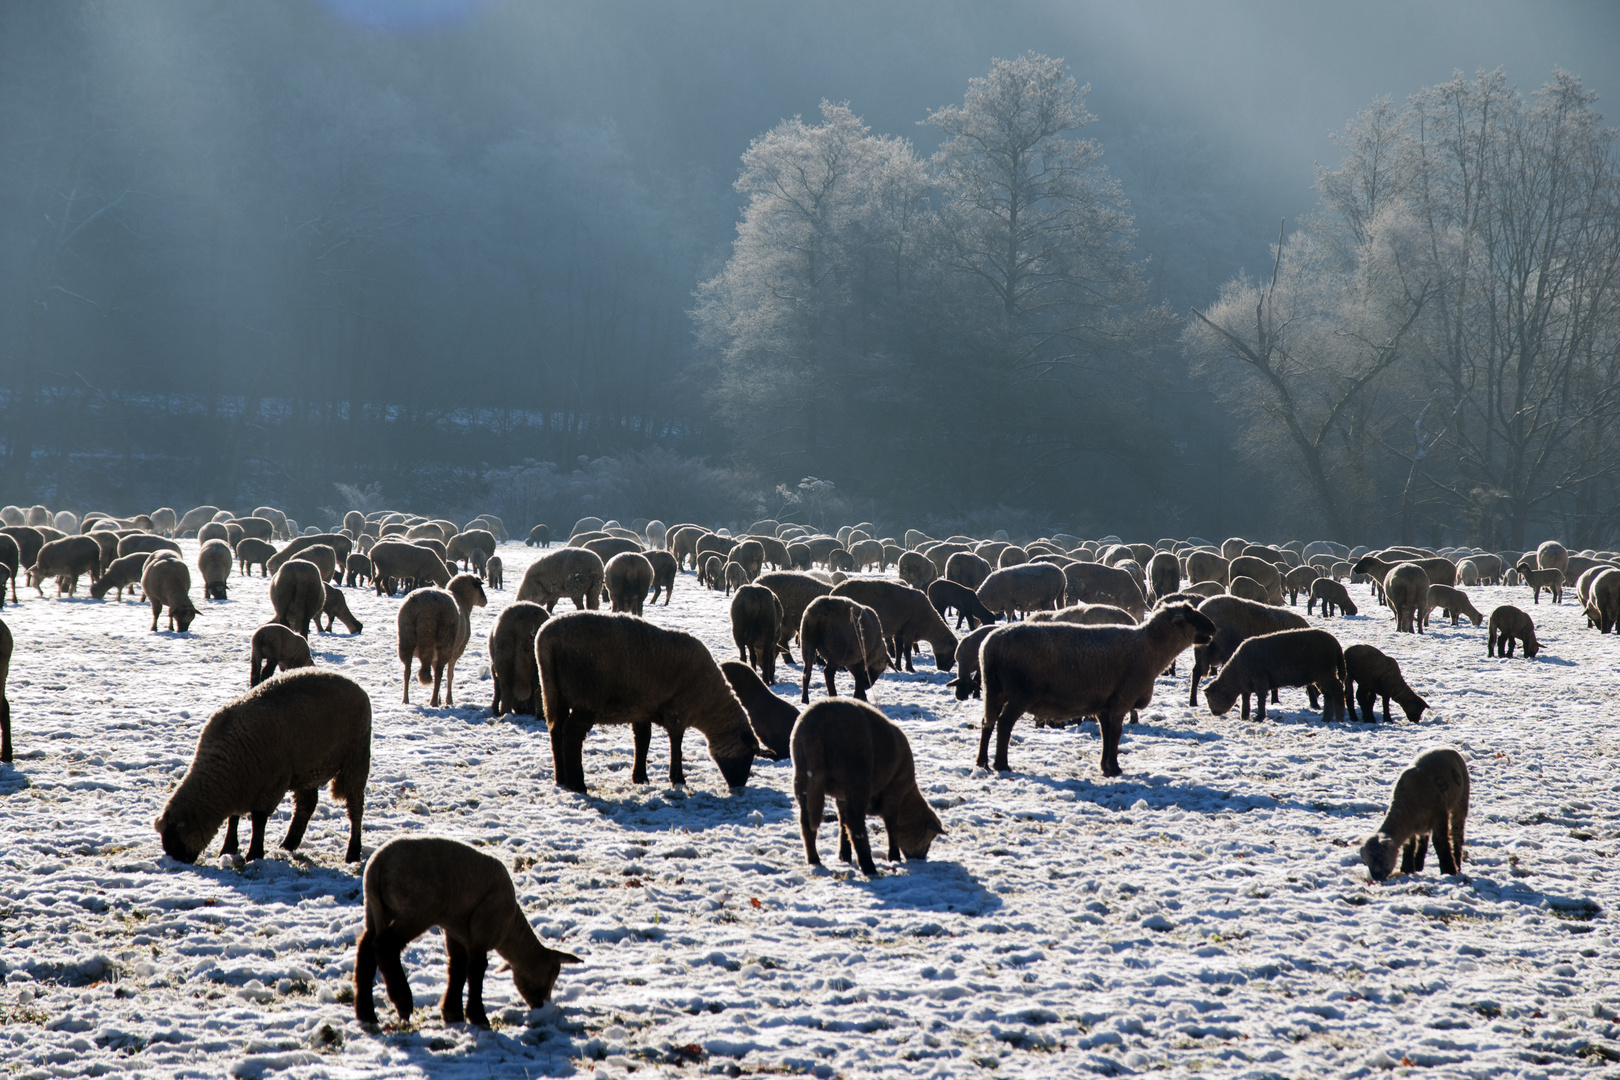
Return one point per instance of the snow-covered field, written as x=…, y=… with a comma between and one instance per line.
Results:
x=1206, y=912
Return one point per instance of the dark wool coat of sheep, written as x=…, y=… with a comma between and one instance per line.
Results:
x=1430, y=799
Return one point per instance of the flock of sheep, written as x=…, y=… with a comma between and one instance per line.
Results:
x=1059, y=629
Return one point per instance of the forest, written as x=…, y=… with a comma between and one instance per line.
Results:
x=572, y=259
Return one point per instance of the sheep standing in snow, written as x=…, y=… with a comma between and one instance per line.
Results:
x=275, y=647
x=1430, y=799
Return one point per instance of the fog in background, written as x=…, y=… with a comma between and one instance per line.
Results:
x=451, y=252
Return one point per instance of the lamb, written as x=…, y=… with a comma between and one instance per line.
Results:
x=5, y=705
x=1236, y=619
x=756, y=627
x=1550, y=578
x=734, y=575
x=336, y=609
x=434, y=628
x=297, y=595
x=251, y=552
x=1507, y=624
x=1406, y=590
x=1430, y=799
x=539, y=536
x=1331, y=595
x=214, y=563
x=357, y=569
x=664, y=571
x=290, y=733
x=843, y=634
x=1310, y=658
x=494, y=570
x=771, y=718
x=852, y=752
x=1057, y=671
x=1370, y=674
x=414, y=883
x=511, y=658
x=915, y=570
x=121, y=574
x=907, y=616
x=65, y=560
x=1452, y=602
x=945, y=595
x=1468, y=573
x=1030, y=587
x=571, y=572
x=600, y=668
x=629, y=578
x=795, y=590
x=166, y=583
x=274, y=646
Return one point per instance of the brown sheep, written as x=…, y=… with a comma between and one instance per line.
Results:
x=5, y=704
x=1031, y=587
x=297, y=595
x=966, y=568
x=340, y=544
x=664, y=572
x=1406, y=590
x=291, y=733
x=539, y=536
x=1164, y=574
x=1310, y=658
x=773, y=550
x=855, y=754
x=1261, y=570
x=1429, y=799
x=1087, y=615
x=511, y=658
x=1057, y=671
x=1369, y=674
x=65, y=560
x=276, y=647
x=629, y=578
x=1331, y=595
x=967, y=682
x=434, y=628
x=600, y=668
x=1452, y=602
x=214, y=563
x=494, y=571
x=1550, y=578
x=1248, y=588
x=734, y=575
x=1552, y=555
x=750, y=555
x=915, y=570
x=1507, y=624
x=1094, y=583
x=121, y=574
x=214, y=530
x=572, y=572
x=946, y=595
x=1236, y=619
x=771, y=718
x=907, y=616
x=414, y=883
x=251, y=552
x=130, y=543
x=28, y=542
x=756, y=627
x=396, y=562
x=1207, y=566
x=1440, y=571
x=1604, y=603
x=795, y=590
x=357, y=570
x=1298, y=580
x=839, y=558
x=166, y=583
x=107, y=541
x=336, y=609
x=842, y=634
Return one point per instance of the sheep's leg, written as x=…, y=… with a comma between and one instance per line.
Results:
x=157, y=608
x=1443, y=850
x=907, y=646
x=1422, y=852
x=1004, y=730
x=1246, y=704
x=852, y=831
x=1112, y=724
x=1199, y=668
x=438, y=681
x=304, y=803
x=399, y=988
x=365, y=973
x=450, y=685
x=1457, y=823
x=477, y=964
x=832, y=687
x=456, y=977
x=256, y=842
x=811, y=807
x=863, y=680
x=233, y=844
x=1311, y=692
x=809, y=670
x=1260, y=710
x=642, y=732
x=407, y=698
x=356, y=804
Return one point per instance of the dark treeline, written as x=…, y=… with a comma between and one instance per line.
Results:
x=250, y=252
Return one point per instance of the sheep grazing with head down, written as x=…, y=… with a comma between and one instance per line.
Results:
x=357, y=569
x=1369, y=674
x=852, y=752
x=511, y=658
x=967, y=683
x=1017, y=589
x=1310, y=658
x=495, y=572
x=214, y=562
x=121, y=574
x=291, y=733
x=756, y=627
x=600, y=668
x=628, y=577
x=664, y=572
x=1429, y=799
x=1236, y=619
x=842, y=634
x=907, y=617
x=1057, y=671
x=336, y=609
x=916, y=570
x=572, y=572
x=771, y=718
x=297, y=595
x=1452, y=603
x=1330, y=594
x=166, y=583
x=947, y=595
x=65, y=560
x=1509, y=624
x=434, y=628
x=414, y=883
x=795, y=590
x=395, y=562
x=275, y=647
x=1406, y=590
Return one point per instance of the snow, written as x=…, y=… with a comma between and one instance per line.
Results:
x=1205, y=912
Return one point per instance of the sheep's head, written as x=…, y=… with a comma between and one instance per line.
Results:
x=1220, y=698
x=966, y=686
x=916, y=831
x=184, y=835
x=183, y=613
x=1414, y=707
x=1363, y=565
x=1349, y=607
x=535, y=984
x=1531, y=645
x=1379, y=851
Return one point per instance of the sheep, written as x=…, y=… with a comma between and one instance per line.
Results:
x=571, y=572
x=511, y=658
x=1012, y=555
x=1262, y=570
x=966, y=568
x=251, y=552
x=434, y=628
x=795, y=590
x=65, y=560
x=274, y=646
x=1508, y=624
x=1603, y=604
x=601, y=668
x=1249, y=589
x=166, y=583
x=1309, y=658
x=5, y=704
x=357, y=570
x=257, y=527
x=1468, y=573
x=438, y=548
x=121, y=574
x=906, y=616
x=1452, y=602
x=629, y=578
x=214, y=563
x=1429, y=799
x=1331, y=595
x=10, y=560
x=1087, y=615
x=130, y=543
x=1164, y=574
x=733, y=574
x=756, y=627
x=915, y=570
x=1298, y=580
x=1440, y=571
x=414, y=883
x=28, y=542
x=1550, y=578
x=539, y=536
x=1236, y=619
x=1549, y=555
x=1030, y=587
x=1207, y=566
x=278, y=521
x=946, y=595
x=340, y=544
x=293, y=732
x=657, y=533
x=195, y=519
x=396, y=561
x=164, y=521
x=1203, y=590
x=771, y=718
x=297, y=595
x=461, y=546
x=1057, y=671
x=494, y=571
x=842, y=634
x=852, y=752
x=1094, y=583
x=336, y=609
x=1406, y=590
x=1370, y=674
x=839, y=558
x=967, y=682
x=664, y=571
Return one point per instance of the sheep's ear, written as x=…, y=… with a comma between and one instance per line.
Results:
x=566, y=957
x=160, y=823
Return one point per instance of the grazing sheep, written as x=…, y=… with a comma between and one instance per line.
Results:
x=164, y=521
x=733, y=574
x=494, y=571
x=1088, y=615
x=756, y=627
x=600, y=668
x=28, y=542
x=260, y=528
x=1057, y=671
x=1508, y=624
x=1440, y=571
x=357, y=570
x=461, y=546
x=795, y=590
x=195, y=519
x=571, y=572
x=65, y=560
x=1298, y=580
x=906, y=616
x=511, y=658
x=1094, y=583
x=629, y=578
x=290, y=733
x=1207, y=566
x=434, y=628
x=915, y=570
x=121, y=574
x=1331, y=595
x=336, y=609
x=1031, y=587
x=354, y=523
x=340, y=544
x=1549, y=555
x=657, y=534
x=215, y=530
x=278, y=522
x=1451, y=602
x=297, y=595
x=251, y=552
x=1249, y=589
x=1012, y=555
x=1550, y=578
x=274, y=646
x=1468, y=573
x=1164, y=574
x=214, y=563
x=1603, y=604
x=106, y=540
x=771, y=718
x=967, y=682
x=1261, y=570
x=839, y=558
x=946, y=595
x=852, y=752
x=396, y=562
x=966, y=568
x=414, y=883
x=1236, y=619
x=1370, y=674
x=842, y=634
x=539, y=536
x=1406, y=590
x=146, y=543
x=1310, y=658
x=1429, y=799
x=664, y=572
x=166, y=583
